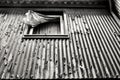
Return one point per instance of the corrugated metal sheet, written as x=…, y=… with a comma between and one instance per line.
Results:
x=117, y=6
x=93, y=50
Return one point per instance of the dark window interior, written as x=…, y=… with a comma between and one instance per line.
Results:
x=51, y=12
x=48, y=28
x=52, y=27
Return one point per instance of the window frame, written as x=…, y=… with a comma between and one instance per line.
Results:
x=63, y=30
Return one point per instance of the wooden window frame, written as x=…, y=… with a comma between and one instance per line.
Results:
x=63, y=30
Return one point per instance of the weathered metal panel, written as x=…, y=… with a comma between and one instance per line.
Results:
x=92, y=51
x=117, y=7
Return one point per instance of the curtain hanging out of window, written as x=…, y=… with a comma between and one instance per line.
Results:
x=33, y=18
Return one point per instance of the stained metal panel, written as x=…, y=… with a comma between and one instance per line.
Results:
x=92, y=51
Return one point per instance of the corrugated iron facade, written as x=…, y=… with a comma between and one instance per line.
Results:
x=92, y=51
x=116, y=7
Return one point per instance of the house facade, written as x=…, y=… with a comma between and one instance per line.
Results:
x=90, y=50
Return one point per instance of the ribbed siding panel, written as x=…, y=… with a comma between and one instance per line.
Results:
x=117, y=6
x=93, y=50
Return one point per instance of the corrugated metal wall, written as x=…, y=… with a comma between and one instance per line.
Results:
x=93, y=50
x=116, y=7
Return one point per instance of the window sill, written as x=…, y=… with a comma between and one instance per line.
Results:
x=38, y=36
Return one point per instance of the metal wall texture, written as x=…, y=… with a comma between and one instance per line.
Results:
x=92, y=51
x=116, y=7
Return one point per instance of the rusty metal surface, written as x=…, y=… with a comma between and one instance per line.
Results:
x=92, y=51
